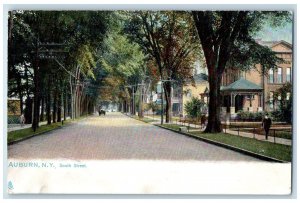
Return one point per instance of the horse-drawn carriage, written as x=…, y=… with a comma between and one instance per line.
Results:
x=101, y=112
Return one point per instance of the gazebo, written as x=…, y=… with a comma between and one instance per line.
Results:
x=236, y=95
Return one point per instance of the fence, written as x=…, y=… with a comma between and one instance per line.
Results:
x=259, y=131
x=190, y=122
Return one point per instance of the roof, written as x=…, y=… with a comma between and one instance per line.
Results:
x=272, y=44
x=200, y=78
x=241, y=84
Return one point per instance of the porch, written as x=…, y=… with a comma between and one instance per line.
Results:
x=241, y=95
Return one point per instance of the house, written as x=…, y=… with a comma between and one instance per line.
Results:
x=199, y=89
x=247, y=90
x=253, y=91
x=176, y=97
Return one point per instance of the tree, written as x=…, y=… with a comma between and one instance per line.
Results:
x=123, y=62
x=153, y=106
x=193, y=107
x=170, y=41
x=33, y=36
x=283, y=97
x=227, y=40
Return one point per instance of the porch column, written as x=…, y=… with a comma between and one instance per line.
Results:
x=261, y=102
x=251, y=108
x=223, y=107
x=232, y=106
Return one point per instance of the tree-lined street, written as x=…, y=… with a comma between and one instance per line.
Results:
x=117, y=154
x=117, y=136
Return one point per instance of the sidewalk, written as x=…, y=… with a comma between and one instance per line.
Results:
x=14, y=127
x=259, y=137
x=233, y=132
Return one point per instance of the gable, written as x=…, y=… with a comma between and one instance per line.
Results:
x=282, y=47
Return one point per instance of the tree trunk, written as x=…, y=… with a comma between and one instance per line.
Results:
x=167, y=91
x=59, y=108
x=141, y=107
x=28, y=110
x=42, y=109
x=48, y=106
x=65, y=105
x=214, y=122
x=54, y=107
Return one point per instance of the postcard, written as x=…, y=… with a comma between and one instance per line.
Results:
x=150, y=102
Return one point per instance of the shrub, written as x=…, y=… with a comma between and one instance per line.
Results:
x=251, y=116
x=193, y=108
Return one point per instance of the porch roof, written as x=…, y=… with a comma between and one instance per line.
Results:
x=241, y=85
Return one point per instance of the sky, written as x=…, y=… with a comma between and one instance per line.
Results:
x=277, y=34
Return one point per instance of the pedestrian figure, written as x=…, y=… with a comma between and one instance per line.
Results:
x=22, y=120
x=266, y=123
x=203, y=121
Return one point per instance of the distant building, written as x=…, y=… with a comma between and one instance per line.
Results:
x=176, y=98
x=198, y=90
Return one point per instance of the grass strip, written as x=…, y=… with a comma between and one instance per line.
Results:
x=274, y=150
x=28, y=132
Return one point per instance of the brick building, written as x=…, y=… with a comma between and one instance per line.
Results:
x=253, y=91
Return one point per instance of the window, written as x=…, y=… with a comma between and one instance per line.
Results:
x=271, y=100
x=271, y=76
x=279, y=75
x=288, y=75
x=279, y=97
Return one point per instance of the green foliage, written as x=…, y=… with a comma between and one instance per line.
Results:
x=123, y=63
x=86, y=60
x=168, y=38
x=153, y=106
x=283, y=97
x=193, y=107
x=251, y=116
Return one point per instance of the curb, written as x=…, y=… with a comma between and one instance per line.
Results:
x=243, y=151
x=137, y=119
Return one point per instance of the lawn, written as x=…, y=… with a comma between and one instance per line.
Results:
x=277, y=151
x=19, y=134
x=24, y=133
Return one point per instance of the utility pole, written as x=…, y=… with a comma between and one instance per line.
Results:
x=133, y=105
x=141, y=99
